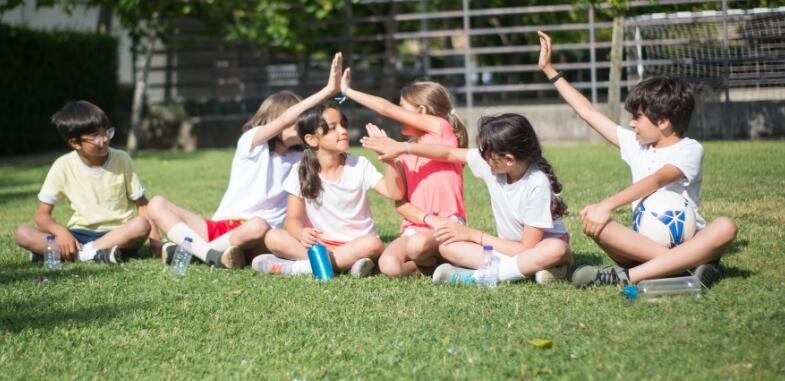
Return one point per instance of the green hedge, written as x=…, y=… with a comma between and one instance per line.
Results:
x=39, y=72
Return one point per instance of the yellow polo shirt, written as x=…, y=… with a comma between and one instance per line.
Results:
x=101, y=198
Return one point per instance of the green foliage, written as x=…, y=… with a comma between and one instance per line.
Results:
x=41, y=71
x=136, y=322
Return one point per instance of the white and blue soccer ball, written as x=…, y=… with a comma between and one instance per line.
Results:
x=665, y=217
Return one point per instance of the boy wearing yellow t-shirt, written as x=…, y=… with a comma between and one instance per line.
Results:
x=100, y=185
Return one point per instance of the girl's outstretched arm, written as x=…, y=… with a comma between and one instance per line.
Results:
x=455, y=232
x=295, y=213
x=387, y=148
x=289, y=116
x=391, y=185
x=582, y=106
x=423, y=122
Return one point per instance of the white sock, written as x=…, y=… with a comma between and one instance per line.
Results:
x=302, y=266
x=508, y=268
x=199, y=247
x=87, y=253
x=221, y=243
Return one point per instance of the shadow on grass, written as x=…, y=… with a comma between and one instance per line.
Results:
x=47, y=312
x=32, y=272
x=737, y=246
x=735, y=272
x=584, y=258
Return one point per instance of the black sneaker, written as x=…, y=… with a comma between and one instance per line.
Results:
x=167, y=252
x=590, y=276
x=108, y=256
x=708, y=273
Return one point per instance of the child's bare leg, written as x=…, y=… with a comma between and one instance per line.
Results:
x=706, y=246
x=283, y=245
x=130, y=235
x=394, y=262
x=463, y=254
x=626, y=246
x=547, y=253
x=166, y=215
x=31, y=239
x=249, y=235
x=422, y=248
x=365, y=246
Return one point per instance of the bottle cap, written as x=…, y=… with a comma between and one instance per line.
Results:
x=487, y=247
x=630, y=292
x=50, y=237
x=188, y=239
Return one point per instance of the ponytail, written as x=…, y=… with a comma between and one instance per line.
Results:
x=308, y=173
x=458, y=128
x=558, y=206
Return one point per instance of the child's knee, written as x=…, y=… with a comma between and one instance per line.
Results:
x=275, y=239
x=156, y=205
x=22, y=235
x=257, y=228
x=418, y=245
x=726, y=227
x=390, y=266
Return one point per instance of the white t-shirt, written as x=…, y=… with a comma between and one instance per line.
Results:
x=686, y=155
x=526, y=201
x=256, y=182
x=341, y=212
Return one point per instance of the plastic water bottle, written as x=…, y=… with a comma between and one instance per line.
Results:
x=182, y=257
x=52, y=255
x=488, y=274
x=656, y=290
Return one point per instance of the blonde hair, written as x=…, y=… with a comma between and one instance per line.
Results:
x=272, y=107
x=437, y=101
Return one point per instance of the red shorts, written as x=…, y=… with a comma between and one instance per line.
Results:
x=331, y=245
x=216, y=229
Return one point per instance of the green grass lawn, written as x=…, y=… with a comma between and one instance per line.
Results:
x=137, y=321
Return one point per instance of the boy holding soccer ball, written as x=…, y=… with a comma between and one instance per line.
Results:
x=660, y=158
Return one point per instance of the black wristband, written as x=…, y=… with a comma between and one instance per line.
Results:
x=556, y=77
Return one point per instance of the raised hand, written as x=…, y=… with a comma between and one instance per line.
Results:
x=346, y=80
x=378, y=141
x=545, y=50
x=334, y=81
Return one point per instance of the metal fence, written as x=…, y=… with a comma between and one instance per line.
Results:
x=485, y=56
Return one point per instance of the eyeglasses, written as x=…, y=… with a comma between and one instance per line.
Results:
x=99, y=137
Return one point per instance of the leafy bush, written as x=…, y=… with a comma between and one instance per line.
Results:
x=41, y=70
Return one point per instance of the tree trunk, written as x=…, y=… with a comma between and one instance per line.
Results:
x=614, y=80
x=389, y=78
x=104, y=24
x=140, y=88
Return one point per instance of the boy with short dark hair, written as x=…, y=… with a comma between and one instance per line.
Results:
x=660, y=157
x=101, y=186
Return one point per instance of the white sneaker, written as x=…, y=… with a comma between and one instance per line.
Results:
x=269, y=263
x=551, y=275
x=362, y=268
x=447, y=273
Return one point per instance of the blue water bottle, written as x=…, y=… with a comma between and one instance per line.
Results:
x=320, y=262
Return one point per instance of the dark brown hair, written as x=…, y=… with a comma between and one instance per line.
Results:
x=312, y=122
x=513, y=134
x=661, y=98
x=79, y=118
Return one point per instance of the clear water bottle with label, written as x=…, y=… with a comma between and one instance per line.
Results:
x=182, y=257
x=655, y=290
x=52, y=255
x=488, y=274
